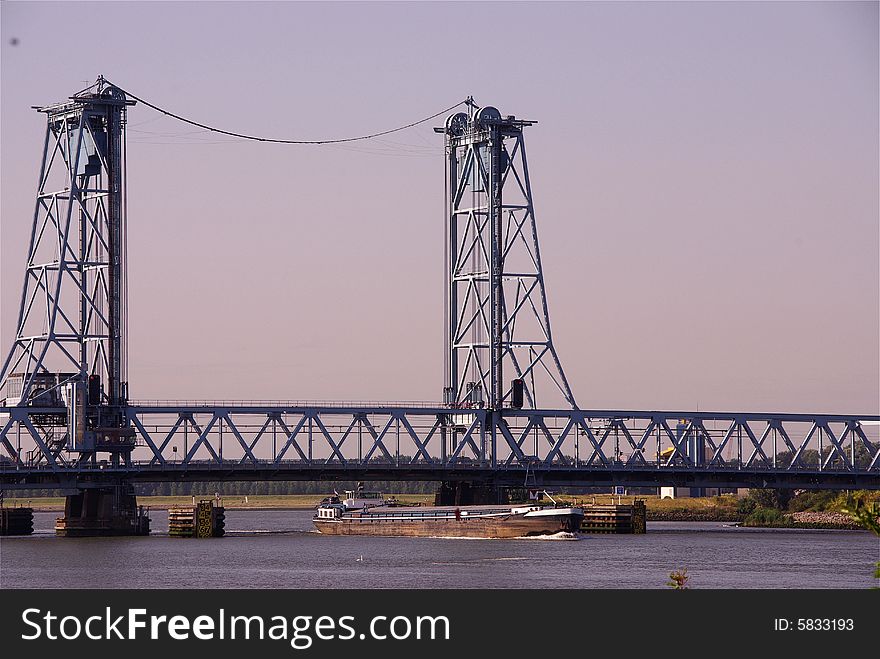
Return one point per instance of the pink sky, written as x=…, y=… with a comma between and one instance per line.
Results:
x=705, y=179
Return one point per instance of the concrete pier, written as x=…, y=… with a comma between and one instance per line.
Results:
x=103, y=511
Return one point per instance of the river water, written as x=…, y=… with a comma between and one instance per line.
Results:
x=279, y=549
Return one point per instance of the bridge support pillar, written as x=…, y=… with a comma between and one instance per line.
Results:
x=464, y=493
x=103, y=511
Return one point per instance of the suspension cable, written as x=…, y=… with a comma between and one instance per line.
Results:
x=283, y=141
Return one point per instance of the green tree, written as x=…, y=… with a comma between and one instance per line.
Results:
x=867, y=517
x=770, y=498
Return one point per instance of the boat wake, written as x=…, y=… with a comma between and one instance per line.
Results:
x=562, y=535
x=506, y=558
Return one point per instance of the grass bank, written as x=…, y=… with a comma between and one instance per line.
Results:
x=686, y=509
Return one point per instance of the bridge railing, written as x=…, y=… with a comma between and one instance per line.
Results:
x=322, y=404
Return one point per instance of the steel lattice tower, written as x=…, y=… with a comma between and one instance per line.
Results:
x=497, y=322
x=69, y=347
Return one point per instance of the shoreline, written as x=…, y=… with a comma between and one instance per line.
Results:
x=692, y=516
x=661, y=511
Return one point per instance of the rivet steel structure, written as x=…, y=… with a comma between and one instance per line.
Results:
x=508, y=416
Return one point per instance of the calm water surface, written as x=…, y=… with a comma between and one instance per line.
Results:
x=279, y=549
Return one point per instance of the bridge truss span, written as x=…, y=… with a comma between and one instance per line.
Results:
x=516, y=447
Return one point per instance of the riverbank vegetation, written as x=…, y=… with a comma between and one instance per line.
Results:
x=811, y=509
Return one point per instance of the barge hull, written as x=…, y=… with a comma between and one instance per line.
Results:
x=495, y=527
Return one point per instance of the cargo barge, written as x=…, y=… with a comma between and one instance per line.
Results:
x=375, y=516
